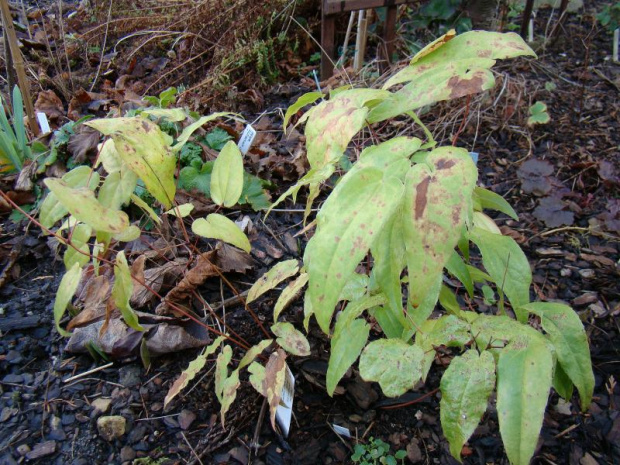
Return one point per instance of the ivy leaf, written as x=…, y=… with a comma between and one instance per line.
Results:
x=253, y=193
x=66, y=290
x=79, y=238
x=291, y=340
x=83, y=205
x=122, y=290
x=566, y=332
x=52, y=209
x=227, y=176
x=272, y=278
x=392, y=363
x=191, y=371
x=289, y=293
x=508, y=266
x=146, y=150
x=493, y=201
x=191, y=178
x=217, y=138
x=438, y=203
x=538, y=114
x=524, y=371
x=465, y=389
x=217, y=226
x=347, y=226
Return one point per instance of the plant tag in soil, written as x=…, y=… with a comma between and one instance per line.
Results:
x=341, y=431
x=246, y=139
x=284, y=412
x=43, y=124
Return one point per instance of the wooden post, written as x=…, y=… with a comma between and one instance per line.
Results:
x=527, y=14
x=389, y=36
x=328, y=42
x=18, y=60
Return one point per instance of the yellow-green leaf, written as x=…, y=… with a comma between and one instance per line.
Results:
x=227, y=176
x=181, y=211
x=217, y=226
x=117, y=188
x=437, y=205
x=191, y=371
x=66, y=290
x=301, y=102
x=82, y=204
x=146, y=151
x=51, y=209
x=289, y=293
x=122, y=290
x=79, y=238
x=254, y=352
x=272, y=278
x=465, y=389
x=146, y=208
x=189, y=130
x=291, y=340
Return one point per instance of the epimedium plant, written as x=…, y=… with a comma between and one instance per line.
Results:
x=415, y=209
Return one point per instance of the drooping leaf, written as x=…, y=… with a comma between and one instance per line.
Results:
x=269, y=380
x=332, y=124
x=311, y=178
x=349, y=338
x=491, y=331
x=562, y=383
x=221, y=369
x=438, y=203
x=272, y=278
x=289, y=293
x=447, y=299
x=457, y=268
x=52, y=209
x=83, y=205
x=122, y=290
x=465, y=389
x=301, y=102
x=489, y=199
x=79, y=238
x=508, y=266
x=191, y=371
x=227, y=176
x=392, y=363
x=174, y=115
x=216, y=226
x=347, y=226
x=225, y=386
x=524, y=371
x=290, y=339
x=146, y=150
x=566, y=332
x=485, y=222
x=254, y=352
x=456, y=68
x=66, y=290
x=146, y=208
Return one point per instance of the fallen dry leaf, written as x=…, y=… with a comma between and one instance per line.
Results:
x=551, y=211
x=535, y=176
x=49, y=103
x=83, y=142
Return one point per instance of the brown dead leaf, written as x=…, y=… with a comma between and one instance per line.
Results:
x=203, y=269
x=154, y=278
x=551, y=211
x=83, y=142
x=94, y=297
x=49, y=103
x=275, y=374
x=608, y=173
x=535, y=176
x=230, y=258
x=86, y=103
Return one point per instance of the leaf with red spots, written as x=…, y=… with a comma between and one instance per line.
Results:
x=453, y=68
x=438, y=202
x=347, y=225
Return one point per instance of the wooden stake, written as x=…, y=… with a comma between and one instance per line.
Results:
x=359, y=59
x=20, y=68
x=615, y=46
x=347, y=36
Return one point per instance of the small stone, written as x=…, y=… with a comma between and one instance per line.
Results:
x=42, y=449
x=585, y=299
x=23, y=449
x=369, y=416
x=186, y=418
x=587, y=459
x=13, y=379
x=356, y=418
x=587, y=273
x=598, y=310
x=414, y=454
x=57, y=434
x=129, y=376
x=111, y=427
x=127, y=454
x=101, y=404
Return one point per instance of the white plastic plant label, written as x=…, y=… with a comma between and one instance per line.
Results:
x=341, y=431
x=284, y=412
x=246, y=139
x=43, y=124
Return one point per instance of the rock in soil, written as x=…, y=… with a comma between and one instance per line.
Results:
x=111, y=427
